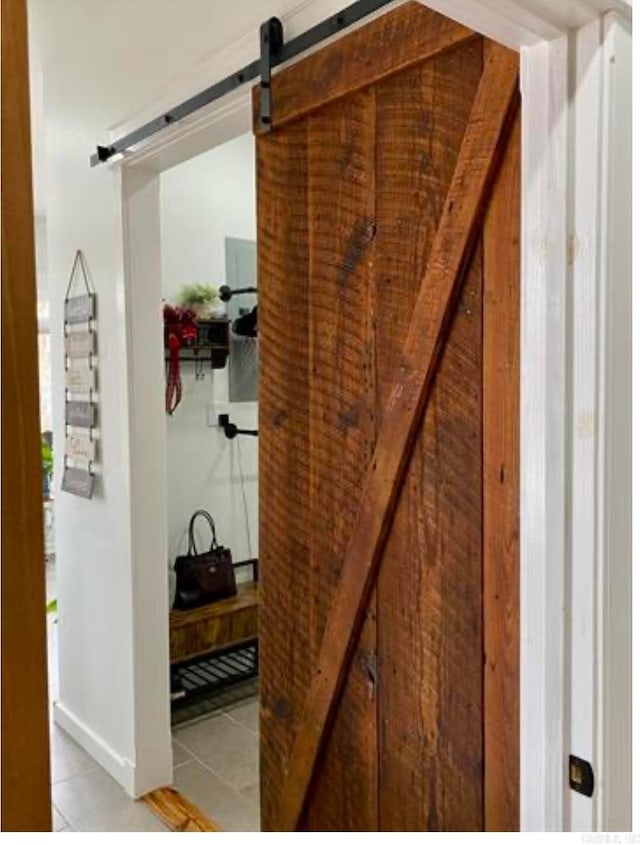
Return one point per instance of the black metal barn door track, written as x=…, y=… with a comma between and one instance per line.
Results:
x=273, y=52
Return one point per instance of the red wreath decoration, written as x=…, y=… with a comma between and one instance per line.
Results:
x=180, y=329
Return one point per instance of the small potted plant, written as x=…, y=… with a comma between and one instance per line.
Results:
x=202, y=299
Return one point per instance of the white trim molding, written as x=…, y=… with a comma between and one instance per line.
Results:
x=599, y=556
x=613, y=734
x=543, y=465
x=584, y=423
x=147, y=466
x=123, y=770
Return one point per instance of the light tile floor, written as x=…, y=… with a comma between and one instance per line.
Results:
x=219, y=768
x=215, y=766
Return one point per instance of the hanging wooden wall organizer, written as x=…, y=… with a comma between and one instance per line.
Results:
x=81, y=384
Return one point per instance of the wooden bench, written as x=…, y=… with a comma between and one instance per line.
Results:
x=222, y=624
x=215, y=646
x=219, y=625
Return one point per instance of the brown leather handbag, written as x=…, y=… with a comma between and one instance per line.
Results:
x=203, y=577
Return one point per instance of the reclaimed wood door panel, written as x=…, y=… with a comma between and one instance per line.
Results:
x=285, y=643
x=342, y=435
x=383, y=588
x=501, y=480
x=429, y=652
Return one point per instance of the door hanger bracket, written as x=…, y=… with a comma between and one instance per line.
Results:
x=271, y=41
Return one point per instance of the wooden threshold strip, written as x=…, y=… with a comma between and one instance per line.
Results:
x=177, y=813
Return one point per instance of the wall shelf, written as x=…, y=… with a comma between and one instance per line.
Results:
x=211, y=345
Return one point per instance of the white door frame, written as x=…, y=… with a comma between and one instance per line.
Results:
x=573, y=360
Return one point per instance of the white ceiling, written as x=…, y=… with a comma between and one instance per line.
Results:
x=137, y=48
x=134, y=51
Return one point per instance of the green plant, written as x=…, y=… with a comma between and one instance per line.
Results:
x=47, y=458
x=197, y=295
x=52, y=608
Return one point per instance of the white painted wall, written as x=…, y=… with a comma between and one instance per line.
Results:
x=202, y=202
x=93, y=551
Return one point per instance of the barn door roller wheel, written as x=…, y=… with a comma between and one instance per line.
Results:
x=271, y=41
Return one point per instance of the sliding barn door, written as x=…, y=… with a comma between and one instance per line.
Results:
x=388, y=192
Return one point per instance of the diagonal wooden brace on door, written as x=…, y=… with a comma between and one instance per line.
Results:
x=478, y=160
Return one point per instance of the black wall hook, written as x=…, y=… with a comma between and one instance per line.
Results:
x=231, y=430
x=225, y=292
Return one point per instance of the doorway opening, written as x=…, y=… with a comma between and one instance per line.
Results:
x=208, y=270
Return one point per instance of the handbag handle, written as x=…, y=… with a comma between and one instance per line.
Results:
x=192, y=540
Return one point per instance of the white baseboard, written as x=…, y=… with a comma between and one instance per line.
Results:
x=115, y=764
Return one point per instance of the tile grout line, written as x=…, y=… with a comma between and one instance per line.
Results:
x=235, y=789
x=67, y=823
x=240, y=724
x=220, y=777
x=201, y=722
x=73, y=777
x=195, y=757
x=221, y=710
x=90, y=771
x=236, y=792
